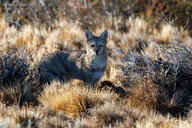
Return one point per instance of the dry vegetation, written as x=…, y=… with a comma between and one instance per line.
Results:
x=147, y=80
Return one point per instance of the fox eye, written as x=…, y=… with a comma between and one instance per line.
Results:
x=92, y=45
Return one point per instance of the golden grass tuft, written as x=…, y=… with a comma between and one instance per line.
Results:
x=168, y=33
x=111, y=71
x=153, y=120
x=74, y=101
x=84, y=123
x=10, y=95
x=115, y=114
x=139, y=28
x=17, y=95
x=3, y=24
x=144, y=96
x=12, y=116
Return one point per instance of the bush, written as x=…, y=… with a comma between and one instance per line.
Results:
x=163, y=84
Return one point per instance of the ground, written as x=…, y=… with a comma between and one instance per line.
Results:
x=147, y=80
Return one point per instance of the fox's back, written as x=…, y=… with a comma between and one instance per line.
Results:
x=61, y=65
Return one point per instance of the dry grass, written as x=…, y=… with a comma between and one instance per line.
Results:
x=144, y=96
x=162, y=84
x=32, y=117
x=115, y=115
x=74, y=101
x=153, y=69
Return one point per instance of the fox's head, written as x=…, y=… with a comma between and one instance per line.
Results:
x=96, y=45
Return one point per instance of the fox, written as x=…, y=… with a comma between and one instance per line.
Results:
x=87, y=65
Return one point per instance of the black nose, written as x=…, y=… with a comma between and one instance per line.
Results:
x=97, y=52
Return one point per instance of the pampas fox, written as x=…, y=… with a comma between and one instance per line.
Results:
x=87, y=65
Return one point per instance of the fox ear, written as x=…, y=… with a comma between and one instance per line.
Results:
x=88, y=35
x=104, y=35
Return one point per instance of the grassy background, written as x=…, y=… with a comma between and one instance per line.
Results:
x=149, y=65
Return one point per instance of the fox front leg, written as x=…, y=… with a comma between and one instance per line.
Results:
x=89, y=84
x=86, y=84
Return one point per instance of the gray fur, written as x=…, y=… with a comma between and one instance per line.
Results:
x=87, y=65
